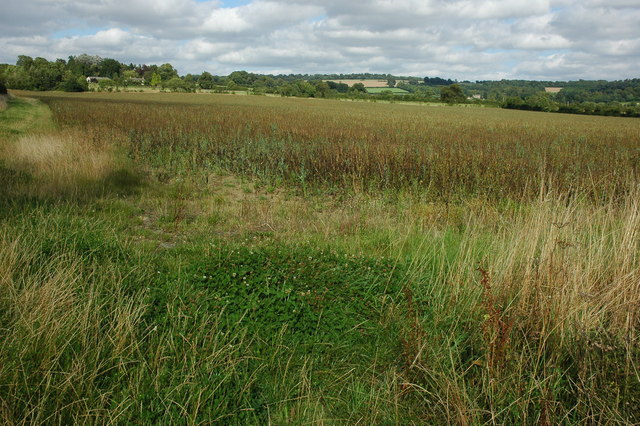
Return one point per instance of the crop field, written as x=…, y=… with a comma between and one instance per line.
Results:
x=200, y=258
x=379, y=90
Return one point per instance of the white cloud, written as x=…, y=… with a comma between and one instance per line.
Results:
x=493, y=9
x=464, y=39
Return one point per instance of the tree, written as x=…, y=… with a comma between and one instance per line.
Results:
x=513, y=102
x=166, y=72
x=129, y=74
x=74, y=83
x=452, y=94
x=437, y=81
x=243, y=78
x=176, y=84
x=288, y=90
x=45, y=75
x=322, y=89
x=306, y=89
x=18, y=78
x=359, y=87
x=541, y=102
x=386, y=94
x=147, y=71
x=109, y=68
x=265, y=81
x=192, y=79
x=155, y=79
x=3, y=86
x=205, y=81
x=24, y=62
x=89, y=61
x=391, y=82
x=338, y=87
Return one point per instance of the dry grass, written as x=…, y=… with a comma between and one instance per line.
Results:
x=560, y=267
x=61, y=164
x=573, y=268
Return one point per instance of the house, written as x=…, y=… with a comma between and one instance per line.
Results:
x=96, y=79
x=136, y=80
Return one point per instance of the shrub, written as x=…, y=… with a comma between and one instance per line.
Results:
x=74, y=84
x=107, y=84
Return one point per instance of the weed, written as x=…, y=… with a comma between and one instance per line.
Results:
x=496, y=328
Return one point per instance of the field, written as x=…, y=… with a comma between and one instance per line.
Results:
x=394, y=90
x=367, y=83
x=199, y=258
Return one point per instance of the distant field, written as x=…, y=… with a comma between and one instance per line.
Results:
x=206, y=258
x=393, y=90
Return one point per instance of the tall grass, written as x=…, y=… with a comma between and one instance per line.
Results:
x=59, y=333
x=61, y=164
x=553, y=336
x=66, y=165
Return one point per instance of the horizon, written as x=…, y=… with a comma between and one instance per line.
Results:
x=349, y=76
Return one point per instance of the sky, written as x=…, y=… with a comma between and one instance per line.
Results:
x=460, y=39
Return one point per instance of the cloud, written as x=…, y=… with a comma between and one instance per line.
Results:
x=492, y=9
x=464, y=39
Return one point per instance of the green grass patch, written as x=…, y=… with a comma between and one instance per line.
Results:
x=315, y=296
x=24, y=116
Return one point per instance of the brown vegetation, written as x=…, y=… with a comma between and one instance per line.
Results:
x=62, y=163
x=431, y=152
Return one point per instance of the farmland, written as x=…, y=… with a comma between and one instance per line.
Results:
x=244, y=259
x=365, y=82
x=379, y=90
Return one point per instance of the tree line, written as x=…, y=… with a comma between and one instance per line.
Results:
x=550, y=103
x=581, y=97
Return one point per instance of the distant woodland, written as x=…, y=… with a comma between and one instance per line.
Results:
x=93, y=73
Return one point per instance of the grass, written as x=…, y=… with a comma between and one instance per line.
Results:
x=24, y=116
x=166, y=266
